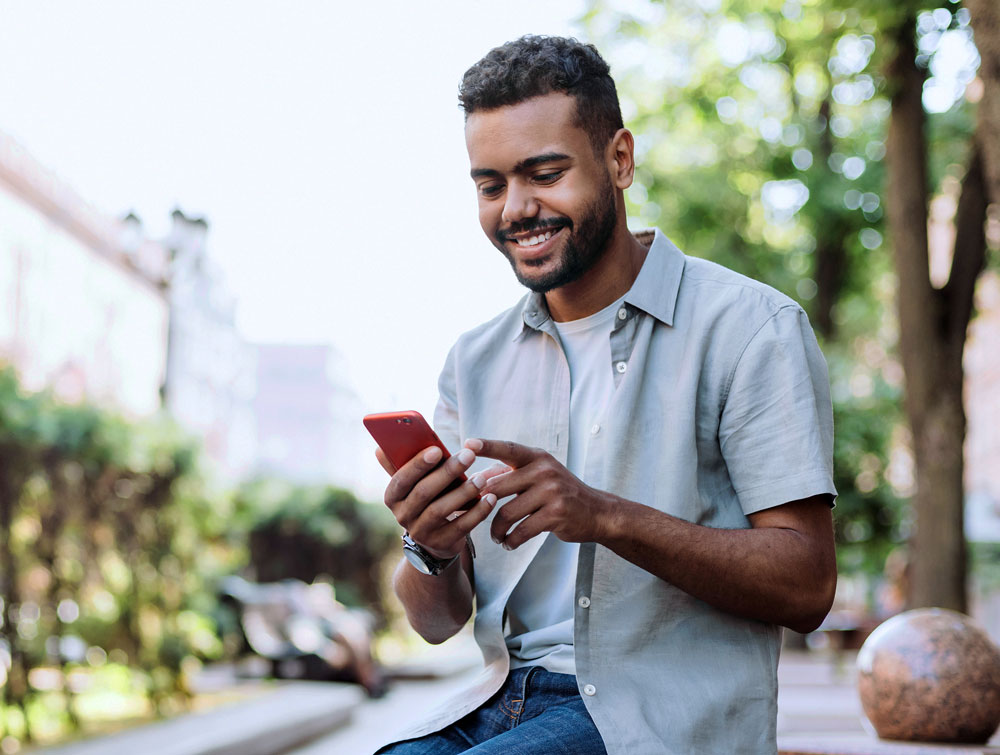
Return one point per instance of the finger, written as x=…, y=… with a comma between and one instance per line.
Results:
x=531, y=527
x=410, y=474
x=434, y=484
x=507, y=451
x=511, y=513
x=512, y=482
x=476, y=515
x=384, y=461
x=455, y=502
x=485, y=476
x=448, y=539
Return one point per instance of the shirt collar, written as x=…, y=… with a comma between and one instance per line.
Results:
x=654, y=290
x=658, y=282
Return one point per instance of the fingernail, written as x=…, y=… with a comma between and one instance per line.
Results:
x=479, y=481
x=466, y=456
x=495, y=539
x=506, y=546
x=432, y=455
x=491, y=500
x=475, y=444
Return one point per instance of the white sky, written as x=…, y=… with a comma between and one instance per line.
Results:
x=321, y=140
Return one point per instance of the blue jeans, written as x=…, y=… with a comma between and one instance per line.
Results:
x=536, y=712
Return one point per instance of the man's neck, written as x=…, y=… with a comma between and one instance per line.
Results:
x=607, y=281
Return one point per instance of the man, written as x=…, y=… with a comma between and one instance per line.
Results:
x=665, y=431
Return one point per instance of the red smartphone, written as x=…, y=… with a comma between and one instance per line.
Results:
x=402, y=435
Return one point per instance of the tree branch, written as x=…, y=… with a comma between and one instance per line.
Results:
x=970, y=252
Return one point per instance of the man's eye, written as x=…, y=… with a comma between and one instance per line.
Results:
x=547, y=178
x=490, y=190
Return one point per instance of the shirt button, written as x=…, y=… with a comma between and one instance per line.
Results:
x=621, y=367
x=589, y=689
x=594, y=430
x=622, y=313
x=584, y=601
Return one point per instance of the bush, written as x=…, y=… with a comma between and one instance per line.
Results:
x=109, y=552
x=302, y=532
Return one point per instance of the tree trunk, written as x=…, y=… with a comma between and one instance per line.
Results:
x=830, y=268
x=986, y=28
x=932, y=324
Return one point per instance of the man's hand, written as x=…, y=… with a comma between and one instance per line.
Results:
x=549, y=495
x=436, y=522
x=782, y=569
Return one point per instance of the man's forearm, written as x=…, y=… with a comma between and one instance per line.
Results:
x=436, y=607
x=770, y=573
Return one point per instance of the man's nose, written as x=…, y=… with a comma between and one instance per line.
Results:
x=520, y=203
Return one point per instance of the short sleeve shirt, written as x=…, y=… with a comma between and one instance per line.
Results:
x=721, y=409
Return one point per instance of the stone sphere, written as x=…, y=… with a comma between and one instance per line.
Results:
x=930, y=675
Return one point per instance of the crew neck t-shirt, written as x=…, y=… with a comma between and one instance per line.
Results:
x=541, y=607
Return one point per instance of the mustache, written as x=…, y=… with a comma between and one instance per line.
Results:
x=534, y=224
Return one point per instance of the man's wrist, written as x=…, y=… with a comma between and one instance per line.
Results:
x=609, y=518
x=423, y=560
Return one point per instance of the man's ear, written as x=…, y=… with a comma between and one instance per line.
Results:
x=621, y=158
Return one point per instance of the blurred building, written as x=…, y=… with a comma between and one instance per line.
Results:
x=209, y=383
x=93, y=309
x=83, y=303
x=308, y=418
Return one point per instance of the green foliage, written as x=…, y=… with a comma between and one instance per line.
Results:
x=870, y=517
x=760, y=135
x=110, y=551
x=303, y=532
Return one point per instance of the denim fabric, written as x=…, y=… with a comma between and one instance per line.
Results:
x=536, y=712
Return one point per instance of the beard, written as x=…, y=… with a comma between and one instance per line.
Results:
x=585, y=245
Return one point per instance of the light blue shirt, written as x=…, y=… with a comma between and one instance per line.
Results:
x=721, y=408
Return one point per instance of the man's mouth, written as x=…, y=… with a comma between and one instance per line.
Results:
x=535, y=240
x=532, y=238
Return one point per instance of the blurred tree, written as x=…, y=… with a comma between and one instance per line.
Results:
x=18, y=440
x=300, y=532
x=761, y=128
x=985, y=17
x=933, y=321
x=107, y=549
x=760, y=137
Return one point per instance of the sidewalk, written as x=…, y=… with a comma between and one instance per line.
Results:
x=819, y=712
x=287, y=716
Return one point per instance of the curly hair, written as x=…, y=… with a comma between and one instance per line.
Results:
x=537, y=65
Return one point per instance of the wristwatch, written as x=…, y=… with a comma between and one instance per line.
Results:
x=423, y=561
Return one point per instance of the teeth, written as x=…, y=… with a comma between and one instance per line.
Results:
x=535, y=240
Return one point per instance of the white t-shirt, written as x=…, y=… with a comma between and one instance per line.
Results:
x=540, y=610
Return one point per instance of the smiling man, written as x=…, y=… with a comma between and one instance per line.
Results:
x=661, y=505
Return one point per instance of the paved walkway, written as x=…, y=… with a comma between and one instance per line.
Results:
x=283, y=718
x=818, y=714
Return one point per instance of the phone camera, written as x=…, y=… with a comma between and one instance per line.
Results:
x=404, y=421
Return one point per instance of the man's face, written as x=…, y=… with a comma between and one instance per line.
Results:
x=545, y=200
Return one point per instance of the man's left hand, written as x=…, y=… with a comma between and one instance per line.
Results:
x=548, y=497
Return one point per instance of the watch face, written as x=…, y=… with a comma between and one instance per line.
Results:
x=415, y=559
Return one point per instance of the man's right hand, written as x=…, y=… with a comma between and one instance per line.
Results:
x=434, y=519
